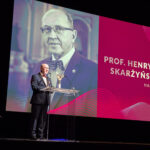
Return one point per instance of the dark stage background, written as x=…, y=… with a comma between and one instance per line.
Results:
x=16, y=125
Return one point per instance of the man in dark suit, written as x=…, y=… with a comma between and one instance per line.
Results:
x=59, y=35
x=40, y=101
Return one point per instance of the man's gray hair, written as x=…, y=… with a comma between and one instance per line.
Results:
x=68, y=15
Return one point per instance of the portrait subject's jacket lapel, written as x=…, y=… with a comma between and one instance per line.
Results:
x=72, y=71
x=68, y=81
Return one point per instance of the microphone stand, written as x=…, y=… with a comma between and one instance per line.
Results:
x=71, y=122
x=48, y=109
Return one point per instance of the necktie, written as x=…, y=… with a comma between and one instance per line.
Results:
x=57, y=64
x=44, y=76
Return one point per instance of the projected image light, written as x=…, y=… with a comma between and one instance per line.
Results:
x=107, y=60
x=45, y=33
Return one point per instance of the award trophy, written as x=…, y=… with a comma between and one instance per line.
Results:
x=60, y=75
x=59, y=78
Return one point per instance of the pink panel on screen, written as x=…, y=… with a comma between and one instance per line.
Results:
x=124, y=42
x=84, y=105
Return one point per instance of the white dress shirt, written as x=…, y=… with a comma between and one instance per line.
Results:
x=44, y=78
x=65, y=59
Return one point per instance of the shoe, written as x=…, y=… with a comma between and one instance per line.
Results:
x=41, y=139
x=33, y=137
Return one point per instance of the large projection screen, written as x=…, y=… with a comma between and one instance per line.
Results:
x=111, y=68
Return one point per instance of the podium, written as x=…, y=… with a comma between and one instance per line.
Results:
x=71, y=124
x=60, y=90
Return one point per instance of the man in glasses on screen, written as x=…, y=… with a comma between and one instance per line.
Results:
x=59, y=36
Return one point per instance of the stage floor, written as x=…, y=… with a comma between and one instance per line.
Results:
x=69, y=144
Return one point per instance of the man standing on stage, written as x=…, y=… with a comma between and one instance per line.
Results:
x=40, y=101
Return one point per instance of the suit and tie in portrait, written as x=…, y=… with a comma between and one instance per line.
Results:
x=79, y=73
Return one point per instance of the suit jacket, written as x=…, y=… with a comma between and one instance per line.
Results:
x=80, y=74
x=39, y=97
